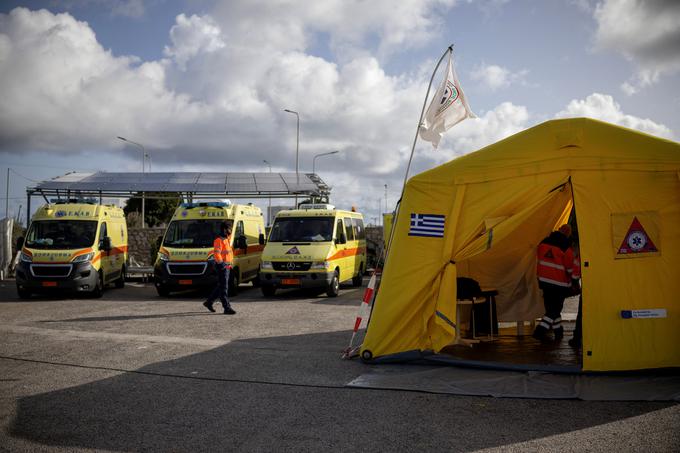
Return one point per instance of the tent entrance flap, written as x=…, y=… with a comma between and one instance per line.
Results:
x=503, y=259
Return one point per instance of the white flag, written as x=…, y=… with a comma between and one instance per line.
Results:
x=448, y=108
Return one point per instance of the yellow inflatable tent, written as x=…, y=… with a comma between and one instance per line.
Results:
x=498, y=203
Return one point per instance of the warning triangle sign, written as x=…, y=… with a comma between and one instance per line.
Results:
x=293, y=251
x=636, y=240
x=549, y=254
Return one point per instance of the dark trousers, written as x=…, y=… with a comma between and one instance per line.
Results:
x=553, y=302
x=220, y=291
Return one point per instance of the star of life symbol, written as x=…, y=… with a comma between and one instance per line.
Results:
x=636, y=240
x=449, y=97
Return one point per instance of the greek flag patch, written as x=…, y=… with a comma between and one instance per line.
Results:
x=427, y=225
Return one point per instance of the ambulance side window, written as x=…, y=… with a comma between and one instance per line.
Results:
x=339, y=231
x=102, y=234
x=348, y=228
x=240, y=231
x=359, y=232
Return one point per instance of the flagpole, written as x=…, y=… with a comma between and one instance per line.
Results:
x=449, y=51
x=385, y=251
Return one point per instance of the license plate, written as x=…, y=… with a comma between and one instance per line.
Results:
x=49, y=283
x=290, y=281
x=185, y=282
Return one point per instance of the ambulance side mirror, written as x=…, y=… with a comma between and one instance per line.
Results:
x=106, y=244
x=20, y=242
x=241, y=243
x=260, y=239
x=341, y=239
x=159, y=240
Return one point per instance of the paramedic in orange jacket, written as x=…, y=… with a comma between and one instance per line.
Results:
x=224, y=257
x=554, y=267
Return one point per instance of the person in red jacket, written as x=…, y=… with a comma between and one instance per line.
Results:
x=554, y=268
x=223, y=255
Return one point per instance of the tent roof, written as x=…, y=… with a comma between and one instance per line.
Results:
x=557, y=145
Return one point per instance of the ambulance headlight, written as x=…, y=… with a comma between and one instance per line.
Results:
x=83, y=258
x=26, y=258
x=266, y=265
x=321, y=265
x=163, y=256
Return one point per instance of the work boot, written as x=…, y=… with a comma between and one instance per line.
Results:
x=540, y=334
x=209, y=306
x=559, y=334
x=575, y=343
x=229, y=311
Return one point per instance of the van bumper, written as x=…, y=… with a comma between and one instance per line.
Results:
x=173, y=282
x=82, y=277
x=296, y=279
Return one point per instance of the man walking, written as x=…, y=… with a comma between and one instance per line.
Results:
x=224, y=257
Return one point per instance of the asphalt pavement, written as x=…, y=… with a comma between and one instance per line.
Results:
x=135, y=372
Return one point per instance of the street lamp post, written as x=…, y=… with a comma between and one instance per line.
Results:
x=320, y=155
x=269, y=208
x=144, y=155
x=297, y=150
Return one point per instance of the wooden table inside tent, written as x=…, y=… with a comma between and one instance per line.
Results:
x=486, y=296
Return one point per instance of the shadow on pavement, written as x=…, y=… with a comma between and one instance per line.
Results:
x=286, y=394
x=130, y=318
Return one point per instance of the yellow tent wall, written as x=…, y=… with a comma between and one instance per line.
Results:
x=500, y=201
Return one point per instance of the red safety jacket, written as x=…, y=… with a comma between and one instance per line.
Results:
x=554, y=266
x=576, y=274
x=223, y=251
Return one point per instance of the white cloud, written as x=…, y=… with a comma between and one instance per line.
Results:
x=603, y=107
x=645, y=32
x=495, y=77
x=192, y=36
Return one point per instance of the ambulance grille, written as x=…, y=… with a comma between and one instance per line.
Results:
x=187, y=268
x=51, y=270
x=292, y=265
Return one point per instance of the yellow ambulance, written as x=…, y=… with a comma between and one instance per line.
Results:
x=315, y=246
x=77, y=246
x=185, y=254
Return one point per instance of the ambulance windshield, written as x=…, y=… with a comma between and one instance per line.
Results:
x=192, y=233
x=61, y=234
x=302, y=229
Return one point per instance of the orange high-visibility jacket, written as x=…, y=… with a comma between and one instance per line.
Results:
x=223, y=251
x=554, y=266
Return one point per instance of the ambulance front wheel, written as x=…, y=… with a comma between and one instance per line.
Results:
x=232, y=289
x=162, y=291
x=334, y=286
x=367, y=355
x=98, y=290
x=23, y=293
x=358, y=279
x=120, y=283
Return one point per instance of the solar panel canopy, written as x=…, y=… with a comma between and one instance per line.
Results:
x=203, y=184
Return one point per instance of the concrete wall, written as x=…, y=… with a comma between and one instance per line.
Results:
x=141, y=241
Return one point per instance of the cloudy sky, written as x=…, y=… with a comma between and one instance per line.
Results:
x=203, y=84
